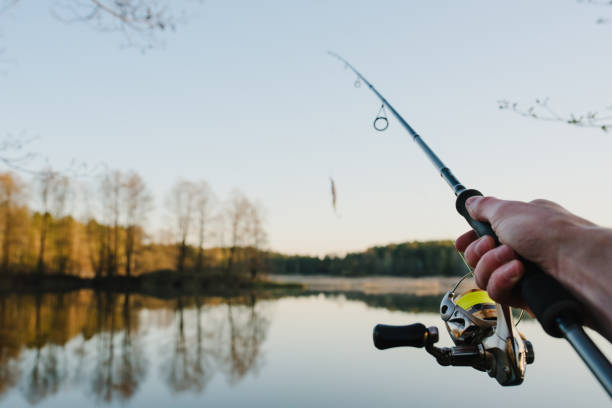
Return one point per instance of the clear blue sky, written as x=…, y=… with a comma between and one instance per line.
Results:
x=244, y=96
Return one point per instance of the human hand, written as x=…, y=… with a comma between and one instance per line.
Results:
x=537, y=231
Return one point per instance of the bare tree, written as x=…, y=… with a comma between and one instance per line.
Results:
x=137, y=203
x=110, y=198
x=45, y=185
x=181, y=202
x=54, y=190
x=204, y=205
x=63, y=225
x=256, y=238
x=237, y=214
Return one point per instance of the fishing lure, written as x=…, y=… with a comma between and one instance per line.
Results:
x=334, y=195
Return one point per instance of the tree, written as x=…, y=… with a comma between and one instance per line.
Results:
x=204, y=204
x=181, y=202
x=236, y=213
x=12, y=193
x=46, y=180
x=256, y=238
x=98, y=246
x=63, y=222
x=137, y=203
x=110, y=197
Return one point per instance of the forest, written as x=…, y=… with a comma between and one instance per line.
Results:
x=410, y=259
x=58, y=225
x=61, y=226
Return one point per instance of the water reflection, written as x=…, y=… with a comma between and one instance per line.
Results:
x=189, y=366
x=304, y=350
x=119, y=363
x=93, y=340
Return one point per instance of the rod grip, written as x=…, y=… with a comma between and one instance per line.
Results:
x=385, y=336
x=544, y=295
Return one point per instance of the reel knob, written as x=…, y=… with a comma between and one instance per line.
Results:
x=414, y=335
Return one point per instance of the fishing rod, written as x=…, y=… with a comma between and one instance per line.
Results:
x=498, y=349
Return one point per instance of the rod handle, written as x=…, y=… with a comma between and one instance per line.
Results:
x=544, y=295
x=386, y=336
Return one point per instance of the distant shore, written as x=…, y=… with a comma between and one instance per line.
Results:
x=372, y=285
x=170, y=283
x=164, y=283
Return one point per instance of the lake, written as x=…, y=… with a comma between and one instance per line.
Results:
x=258, y=350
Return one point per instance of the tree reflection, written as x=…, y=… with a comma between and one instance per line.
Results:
x=116, y=377
x=9, y=368
x=47, y=373
x=92, y=339
x=189, y=368
x=247, y=331
x=133, y=363
x=102, y=378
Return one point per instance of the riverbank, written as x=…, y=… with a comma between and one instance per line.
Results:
x=168, y=284
x=372, y=285
x=161, y=284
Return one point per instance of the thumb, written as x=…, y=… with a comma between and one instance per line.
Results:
x=483, y=208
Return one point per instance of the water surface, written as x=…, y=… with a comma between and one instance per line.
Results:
x=85, y=348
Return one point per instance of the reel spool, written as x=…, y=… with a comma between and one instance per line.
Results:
x=469, y=313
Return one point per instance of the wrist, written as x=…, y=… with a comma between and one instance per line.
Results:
x=587, y=249
x=585, y=269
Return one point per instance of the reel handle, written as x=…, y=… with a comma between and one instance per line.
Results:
x=386, y=336
x=543, y=294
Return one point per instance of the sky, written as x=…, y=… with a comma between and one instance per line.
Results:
x=243, y=95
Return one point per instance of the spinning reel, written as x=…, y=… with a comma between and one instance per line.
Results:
x=483, y=331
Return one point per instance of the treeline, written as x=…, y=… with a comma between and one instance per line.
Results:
x=411, y=259
x=55, y=224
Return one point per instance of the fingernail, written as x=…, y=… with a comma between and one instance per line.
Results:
x=470, y=201
x=514, y=277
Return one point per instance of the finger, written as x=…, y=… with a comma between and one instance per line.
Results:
x=465, y=239
x=502, y=281
x=483, y=208
x=477, y=249
x=490, y=261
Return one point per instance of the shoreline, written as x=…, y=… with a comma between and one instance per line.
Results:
x=370, y=285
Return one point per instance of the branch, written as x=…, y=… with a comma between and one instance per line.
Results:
x=600, y=20
x=138, y=20
x=13, y=154
x=541, y=110
x=597, y=2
